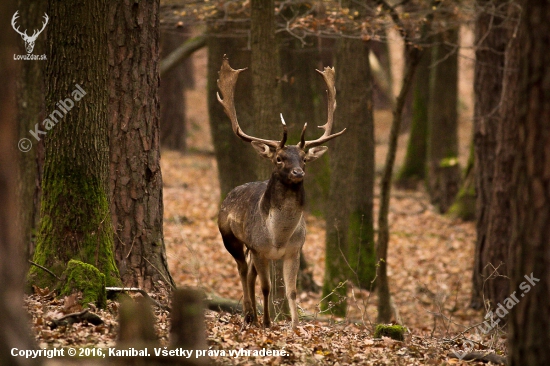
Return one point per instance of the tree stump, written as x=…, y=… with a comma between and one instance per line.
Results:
x=188, y=329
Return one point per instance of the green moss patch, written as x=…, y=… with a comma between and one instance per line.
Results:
x=396, y=332
x=87, y=279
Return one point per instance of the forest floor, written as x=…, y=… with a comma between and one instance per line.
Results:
x=429, y=261
x=429, y=266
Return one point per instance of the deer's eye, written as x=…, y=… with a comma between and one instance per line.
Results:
x=279, y=160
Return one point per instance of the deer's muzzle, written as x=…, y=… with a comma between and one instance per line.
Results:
x=297, y=174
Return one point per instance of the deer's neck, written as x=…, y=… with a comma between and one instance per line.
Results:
x=283, y=206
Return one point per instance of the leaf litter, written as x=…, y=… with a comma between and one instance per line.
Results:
x=430, y=262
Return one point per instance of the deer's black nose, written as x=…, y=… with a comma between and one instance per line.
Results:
x=298, y=173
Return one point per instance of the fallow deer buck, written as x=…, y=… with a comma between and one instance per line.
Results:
x=267, y=217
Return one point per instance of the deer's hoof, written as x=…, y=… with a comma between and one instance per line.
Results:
x=249, y=318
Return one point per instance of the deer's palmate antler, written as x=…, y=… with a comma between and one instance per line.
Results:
x=226, y=83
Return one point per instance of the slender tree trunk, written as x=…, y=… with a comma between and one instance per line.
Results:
x=14, y=332
x=491, y=40
x=172, y=95
x=136, y=180
x=414, y=167
x=443, y=168
x=413, y=59
x=530, y=203
x=236, y=159
x=349, y=240
x=75, y=216
x=30, y=98
x=384, y=298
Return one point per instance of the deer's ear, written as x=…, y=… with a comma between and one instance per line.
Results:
x=315, y=152
x=262, y=149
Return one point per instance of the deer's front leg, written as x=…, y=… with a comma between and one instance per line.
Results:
x=262, y=267
x=291, y=265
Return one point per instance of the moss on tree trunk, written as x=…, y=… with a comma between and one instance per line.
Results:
x=75, y=218
x=349, y=222
x=464, y=206
x=85, y=278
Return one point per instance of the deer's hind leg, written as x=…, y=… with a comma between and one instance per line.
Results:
x=251, y=282
x=236, y=248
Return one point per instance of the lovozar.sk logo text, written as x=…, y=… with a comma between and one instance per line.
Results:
x=29, y=40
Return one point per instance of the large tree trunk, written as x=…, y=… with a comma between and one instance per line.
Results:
x=303, y=92
x=529, y=337
x=172, y=95
x=75, y=216
x=30, y=107
x=14, y=332
x=136, y=180
x=491, y=40
x=499, y=229
x=264, y=65
x=235, y=158
x=349, y=223
x=443, y=168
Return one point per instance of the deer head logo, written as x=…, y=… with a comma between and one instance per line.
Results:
x=29, y=41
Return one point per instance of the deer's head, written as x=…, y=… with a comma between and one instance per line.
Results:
x=290, y=160
x=29, y=40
